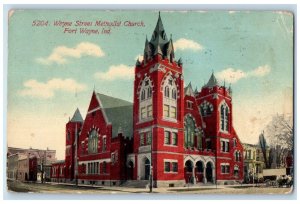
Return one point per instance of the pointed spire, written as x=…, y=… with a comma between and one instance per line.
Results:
x=138, y=63
x=189, y=90
x=159, y=37
x=179, y=61
x=229, y=89
x=212, y=81
x=196, y=90
x=77, y=116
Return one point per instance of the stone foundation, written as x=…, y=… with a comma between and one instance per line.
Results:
x=99, y=183
x=169, y=183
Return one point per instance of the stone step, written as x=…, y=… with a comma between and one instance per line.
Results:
x=136, y=183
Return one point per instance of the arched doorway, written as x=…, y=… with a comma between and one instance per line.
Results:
x=209, y=173
x=130, y=170
x=147, y=169
x=188, y=171
x=199, y=171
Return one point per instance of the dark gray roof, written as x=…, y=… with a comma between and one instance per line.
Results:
x=159, y=43
x=189, y=90
x=77, y=116
x=119, y=114
x=212, y=81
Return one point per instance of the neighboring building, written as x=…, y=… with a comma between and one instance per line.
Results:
x=254, y=162
x=40, y=158
x=174, y=133
x=58, y=171
x=12, y=166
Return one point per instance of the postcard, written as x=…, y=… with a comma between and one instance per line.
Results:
x=169, y=102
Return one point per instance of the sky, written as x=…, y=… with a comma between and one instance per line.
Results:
x=52, y=72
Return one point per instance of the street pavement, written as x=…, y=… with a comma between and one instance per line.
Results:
x=197, y=189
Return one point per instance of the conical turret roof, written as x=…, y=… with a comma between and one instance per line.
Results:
x=212, y=81
x=77, y=116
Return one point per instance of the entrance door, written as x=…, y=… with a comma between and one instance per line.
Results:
x=209, y=172
x=130, y=170
x=147, y=169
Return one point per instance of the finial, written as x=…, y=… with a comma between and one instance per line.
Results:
x=224, y=83
x=158, y=13
x=94, y=88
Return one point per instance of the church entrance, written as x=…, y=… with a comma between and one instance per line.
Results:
x=147, y=169
x=209, y=173
x=188, y=172
x=130, y=170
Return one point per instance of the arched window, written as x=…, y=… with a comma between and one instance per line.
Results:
x=143, y=95
x=167, y=91
x=170, y=98
x=174, y=95
x=149, y=92
x=224, y=117
x=145, y=106
x=189, y=132
x=93, y=142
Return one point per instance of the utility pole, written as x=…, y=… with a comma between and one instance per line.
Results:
x=216, y=165
x=76, y=165
x=151, y=167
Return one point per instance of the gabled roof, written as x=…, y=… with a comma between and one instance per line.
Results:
x=119, y=113
x=77, y=116
x=212, y=81
x=188, y=91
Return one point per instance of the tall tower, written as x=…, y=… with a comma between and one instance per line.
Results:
x=158, y=111
x=215, y=104
x=73, y=128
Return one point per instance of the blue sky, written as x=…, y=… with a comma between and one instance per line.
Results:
x=50, y=73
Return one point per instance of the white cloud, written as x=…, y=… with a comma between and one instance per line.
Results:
x=261, y=71
x=186, y=44
x=116, y=72
x=61, y=54
x=46, y=90
x=232, y=12
x=232, y=75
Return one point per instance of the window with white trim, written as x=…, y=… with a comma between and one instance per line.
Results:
x=145, y=100
x=170, y=138
x=145, y=138
x=167, y=166
x=224, y=117
x=224, y=145
x=142, y=139
x=174, y=138
x=225, y=168
x=237, y=156
x=170, y=99
x=167, y=137
x=166, y=111
x=174, y=166
x=93, y=142
x=148, y=137
x=104, y=144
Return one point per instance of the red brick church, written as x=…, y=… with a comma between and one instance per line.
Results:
x=170, y=133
